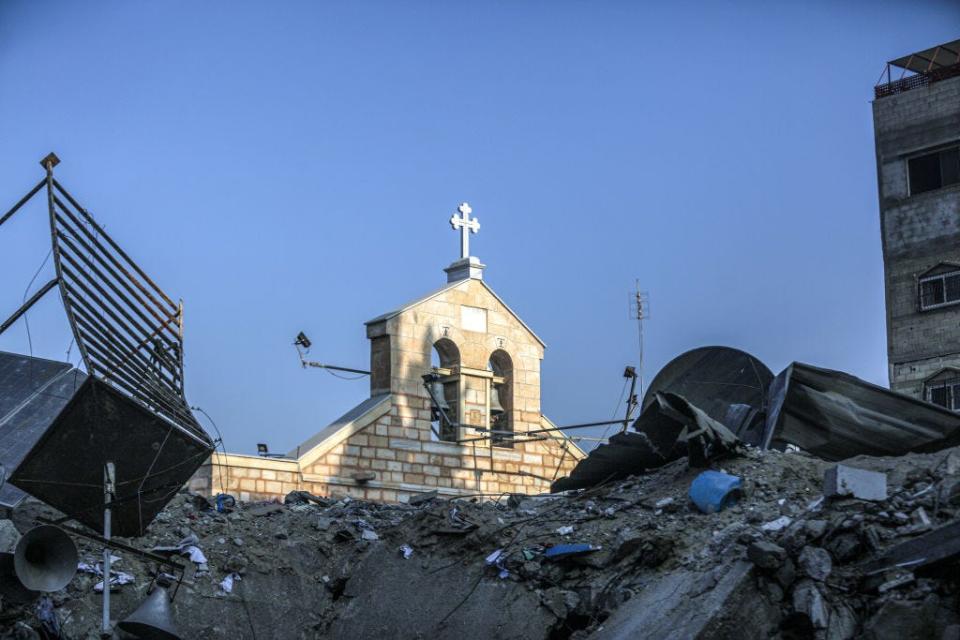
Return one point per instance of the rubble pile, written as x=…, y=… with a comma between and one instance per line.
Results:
x=633, y=558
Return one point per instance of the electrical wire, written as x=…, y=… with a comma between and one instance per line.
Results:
x=616, y=409
x=26, y=292
x=218, y=440
x=342, y=377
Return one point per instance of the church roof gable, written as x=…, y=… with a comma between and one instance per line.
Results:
x=430, y=296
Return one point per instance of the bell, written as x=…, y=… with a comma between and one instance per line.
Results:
x=45, y=559
x=496, y=408
x=437, y=389
x=153, y=619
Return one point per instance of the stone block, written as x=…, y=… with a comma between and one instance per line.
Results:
x=842, y=481
x=273, y=487
x=406, y=445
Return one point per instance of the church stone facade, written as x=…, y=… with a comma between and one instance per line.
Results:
x=483, y=365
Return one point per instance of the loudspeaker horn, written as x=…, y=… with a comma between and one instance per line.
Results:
x=153, y=619
x=45, y=559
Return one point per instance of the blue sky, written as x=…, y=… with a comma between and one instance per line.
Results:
x=292, y=166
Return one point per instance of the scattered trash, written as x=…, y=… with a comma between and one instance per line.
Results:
x=569, y=550
x=779, y=524
x=226, y=585
x=565, y=530
x=663, y=502
x=117, y=578
x=713, y=491
x=186, y=547
x=496, y=559
x=406, y=551
x=493, y=557
x=225, y=503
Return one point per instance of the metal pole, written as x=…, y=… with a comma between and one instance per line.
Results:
x=632, y=398
x=319, y=365
x=109, y=483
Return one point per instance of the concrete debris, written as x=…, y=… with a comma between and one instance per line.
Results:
x=808, y=603
x=841, y=481
x=766, y=555
x=815, y=563
x=641, y=561
x=9, y=537
x=423, y=498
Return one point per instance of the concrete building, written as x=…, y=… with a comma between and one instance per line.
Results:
x=917, y=132
x=483, y=364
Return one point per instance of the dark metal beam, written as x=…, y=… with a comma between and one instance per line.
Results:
x=23, y=201
x=26, y=305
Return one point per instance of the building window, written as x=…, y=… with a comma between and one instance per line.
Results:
x=944, y=389
x=445, y=359
x=940, y=287
x=934, y=170
x=501, y=399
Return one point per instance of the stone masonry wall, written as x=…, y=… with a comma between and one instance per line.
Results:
x=405, y=462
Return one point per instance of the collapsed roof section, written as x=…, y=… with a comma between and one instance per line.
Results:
x=834, y=416
x=829, y=414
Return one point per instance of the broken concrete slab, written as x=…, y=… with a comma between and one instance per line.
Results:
x=942, y=545
x=845, y=481
x=431, y=601
x=903, y=620
x=675, y=607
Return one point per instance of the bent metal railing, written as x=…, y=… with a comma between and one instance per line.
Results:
x=128, y=331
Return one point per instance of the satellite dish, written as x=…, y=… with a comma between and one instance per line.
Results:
x=728, y=384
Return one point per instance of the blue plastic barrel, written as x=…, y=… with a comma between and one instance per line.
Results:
x=713, y=491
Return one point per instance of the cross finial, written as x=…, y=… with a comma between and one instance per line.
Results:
x=466, y=225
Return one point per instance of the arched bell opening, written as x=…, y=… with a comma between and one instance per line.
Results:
x=445, y=361
x=501, y=398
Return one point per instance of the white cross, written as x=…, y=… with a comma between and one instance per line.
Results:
x=465, y=224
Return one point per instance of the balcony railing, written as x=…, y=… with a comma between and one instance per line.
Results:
x=919, y=80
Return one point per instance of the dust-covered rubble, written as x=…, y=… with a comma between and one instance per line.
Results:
x=641, y=562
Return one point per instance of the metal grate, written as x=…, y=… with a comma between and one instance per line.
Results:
x=129, y=332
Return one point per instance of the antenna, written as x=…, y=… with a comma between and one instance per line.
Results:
x=639, y=309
